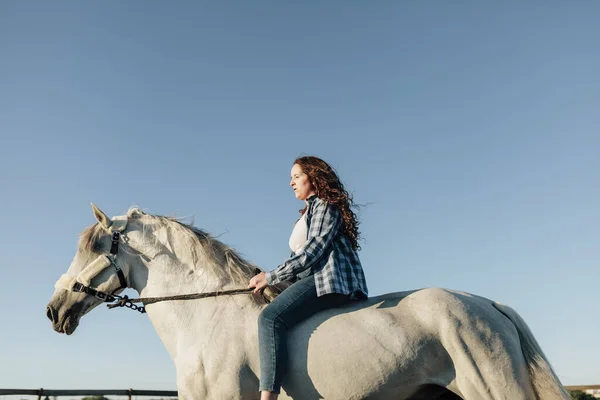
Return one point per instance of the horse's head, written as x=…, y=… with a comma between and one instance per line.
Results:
x=95, y=270
x=158, y=256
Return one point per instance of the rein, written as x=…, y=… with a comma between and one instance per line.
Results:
x=125, y=301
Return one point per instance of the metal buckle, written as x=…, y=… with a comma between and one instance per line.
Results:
x=78, y=287
x=100, y=296
x=114, y=247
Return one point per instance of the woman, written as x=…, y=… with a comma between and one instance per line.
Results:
x=324, y=265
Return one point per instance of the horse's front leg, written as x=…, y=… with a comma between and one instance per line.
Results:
x=191, y=385
x=225, y=383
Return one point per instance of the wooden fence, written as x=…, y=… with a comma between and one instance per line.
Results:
x=43, y=393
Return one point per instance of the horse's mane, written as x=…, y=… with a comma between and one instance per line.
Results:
x=219, y=260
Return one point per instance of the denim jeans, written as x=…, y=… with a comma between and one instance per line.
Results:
x=293, y=305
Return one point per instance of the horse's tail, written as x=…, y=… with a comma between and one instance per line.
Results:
x=545, y=383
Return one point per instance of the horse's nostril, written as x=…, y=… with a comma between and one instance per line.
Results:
x=50, y=314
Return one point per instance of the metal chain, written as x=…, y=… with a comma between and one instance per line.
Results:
x=125, y=301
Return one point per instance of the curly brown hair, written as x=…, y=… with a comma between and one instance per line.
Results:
x=328, y=187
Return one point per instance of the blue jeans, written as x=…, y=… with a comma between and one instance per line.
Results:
x=293, y=305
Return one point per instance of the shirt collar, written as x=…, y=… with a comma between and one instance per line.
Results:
x=311, y=198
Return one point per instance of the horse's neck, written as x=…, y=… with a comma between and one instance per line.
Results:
x=166, y=263
x=186, y=324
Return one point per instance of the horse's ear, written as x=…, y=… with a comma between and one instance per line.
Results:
x=101, y=217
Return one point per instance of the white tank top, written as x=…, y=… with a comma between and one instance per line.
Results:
x=299, y=235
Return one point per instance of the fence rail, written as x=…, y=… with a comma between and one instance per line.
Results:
x=583, y=387
x=87, y=392
x=133, y=392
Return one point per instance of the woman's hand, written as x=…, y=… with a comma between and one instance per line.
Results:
x=258, y=282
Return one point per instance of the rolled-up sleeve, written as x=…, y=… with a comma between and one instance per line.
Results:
x=324, y=226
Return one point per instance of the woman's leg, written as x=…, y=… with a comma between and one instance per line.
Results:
x=293, y=305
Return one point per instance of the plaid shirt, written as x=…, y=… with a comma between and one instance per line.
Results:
x=327, y=254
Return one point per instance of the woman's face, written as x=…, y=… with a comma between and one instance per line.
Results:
x=303, y=189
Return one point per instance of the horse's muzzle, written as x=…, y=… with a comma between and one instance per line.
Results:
x=52, y=315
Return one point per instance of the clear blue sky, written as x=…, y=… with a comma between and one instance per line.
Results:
x=469, y=129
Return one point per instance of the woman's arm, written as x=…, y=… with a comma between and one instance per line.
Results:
x=324, y=226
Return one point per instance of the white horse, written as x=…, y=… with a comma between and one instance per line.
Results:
x=420, y=344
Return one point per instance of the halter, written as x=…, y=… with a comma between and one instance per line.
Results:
x=81, y=283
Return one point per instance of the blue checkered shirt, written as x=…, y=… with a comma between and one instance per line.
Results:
x=327, y=254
